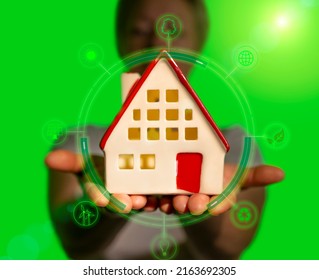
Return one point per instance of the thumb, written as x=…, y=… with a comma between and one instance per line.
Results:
x=263, y=175
x=63, y=160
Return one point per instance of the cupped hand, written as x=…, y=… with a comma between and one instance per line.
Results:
x=69, y=162
x=196, y=204
x=259, y=176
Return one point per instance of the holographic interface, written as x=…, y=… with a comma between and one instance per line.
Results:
x=243, y=214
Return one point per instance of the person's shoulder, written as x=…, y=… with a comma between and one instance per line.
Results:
x=234, y=132
x=235, y=136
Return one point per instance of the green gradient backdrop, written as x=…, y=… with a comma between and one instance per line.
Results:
x=42, y=79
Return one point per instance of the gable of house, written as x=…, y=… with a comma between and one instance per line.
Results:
x=162, y=106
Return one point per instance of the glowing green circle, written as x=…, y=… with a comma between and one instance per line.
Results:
x=168, y=27
x=244, y=215
x=164, y=247
x=85, y=214
x=276, y=136
x=245, y=57
x=54, y=132
x=147, y=56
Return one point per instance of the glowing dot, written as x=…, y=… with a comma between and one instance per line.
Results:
x=282, y=21
x=91, y=55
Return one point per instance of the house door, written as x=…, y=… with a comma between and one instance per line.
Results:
x=189, y=166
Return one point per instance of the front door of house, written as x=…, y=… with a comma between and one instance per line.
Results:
x=189, y=167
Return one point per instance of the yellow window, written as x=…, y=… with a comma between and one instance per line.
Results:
x=136, y=114
x=153, y=95
x=172, y=133
x=188, y=114
x=191, y=133
x=171, y=95
x=126, y=161
x=172, y=114
x=153, y=115
x=153, y=133
x=147, y=161
x=134, y=133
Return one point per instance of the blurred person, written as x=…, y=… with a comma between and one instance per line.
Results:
x=114, y=237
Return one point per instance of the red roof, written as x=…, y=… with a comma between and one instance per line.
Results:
x=136, y=87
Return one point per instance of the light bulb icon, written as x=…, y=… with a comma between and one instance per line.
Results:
x=164, y=246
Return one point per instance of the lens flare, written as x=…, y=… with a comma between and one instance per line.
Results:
x=282, y=22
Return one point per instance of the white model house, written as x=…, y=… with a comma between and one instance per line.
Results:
x=163, y=141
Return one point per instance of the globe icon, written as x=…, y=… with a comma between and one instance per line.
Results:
x=246, y=58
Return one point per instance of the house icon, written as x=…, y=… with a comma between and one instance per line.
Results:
x=163, y=140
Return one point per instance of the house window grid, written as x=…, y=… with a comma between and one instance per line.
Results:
x=162, y=132
x=162, y=105
x=181, y=124
x=137, y=163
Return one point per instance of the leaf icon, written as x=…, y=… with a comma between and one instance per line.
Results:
x=270, y=141
x=279, y=137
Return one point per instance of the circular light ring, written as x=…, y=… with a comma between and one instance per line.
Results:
x=251, y=212
x=143, y=57
x=168, y=27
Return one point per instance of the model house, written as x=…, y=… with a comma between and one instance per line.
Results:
x=163, y=140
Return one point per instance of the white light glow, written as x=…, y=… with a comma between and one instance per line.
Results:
x=282, y=22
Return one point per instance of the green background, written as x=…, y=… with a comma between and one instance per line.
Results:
x=42, y=79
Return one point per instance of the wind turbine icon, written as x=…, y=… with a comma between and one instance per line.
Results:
x=86, y=215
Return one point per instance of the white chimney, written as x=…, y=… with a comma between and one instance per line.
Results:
x=128, y=80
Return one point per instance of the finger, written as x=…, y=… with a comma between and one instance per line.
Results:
x=99, y=165
x=122, y=199
x=197, y=203
x=151, y=204
x=224, y=206
x=180, y=203
x=66, y=161
x=95, y=195
x=166, y=204
x=263, y=175
x=138, y=201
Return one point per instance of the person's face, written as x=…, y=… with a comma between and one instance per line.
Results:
x=141, y=34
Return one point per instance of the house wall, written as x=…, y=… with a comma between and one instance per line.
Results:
x=162, y=179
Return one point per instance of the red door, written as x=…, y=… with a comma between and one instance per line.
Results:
x=189, y=166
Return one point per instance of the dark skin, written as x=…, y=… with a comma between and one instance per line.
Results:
x=140, y=34
x=226, y=240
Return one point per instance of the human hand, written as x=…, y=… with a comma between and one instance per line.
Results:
x=196, y=204
x=69, y=162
